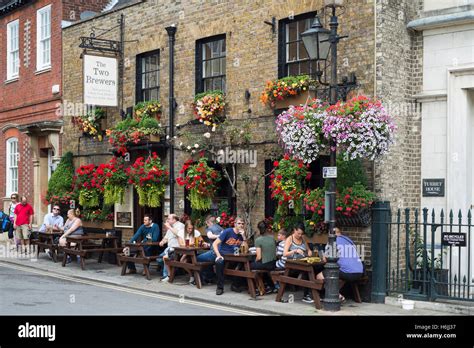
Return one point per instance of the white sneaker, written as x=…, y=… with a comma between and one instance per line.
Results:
x=191, y=280
x=165, y=280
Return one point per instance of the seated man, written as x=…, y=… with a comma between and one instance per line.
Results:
x=350, y=264
x=148, y=232
x=228, y=242
x=213, y=229
x=52, y=221
x=174, y=228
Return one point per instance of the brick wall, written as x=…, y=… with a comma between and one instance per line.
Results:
x=72, y=9
x=251, y=60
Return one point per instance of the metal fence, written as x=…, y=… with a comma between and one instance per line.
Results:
x=429, y=256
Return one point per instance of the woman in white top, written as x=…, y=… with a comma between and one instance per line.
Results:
x=192, y=236
x=11, y=214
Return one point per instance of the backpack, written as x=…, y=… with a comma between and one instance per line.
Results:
x=5, y=221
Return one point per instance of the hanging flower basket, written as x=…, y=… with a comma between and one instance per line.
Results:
x=363, y=218
x=209, y=107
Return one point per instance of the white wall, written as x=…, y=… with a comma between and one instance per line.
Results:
x=441, y=4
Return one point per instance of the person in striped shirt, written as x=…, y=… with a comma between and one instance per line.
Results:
x=282, y=235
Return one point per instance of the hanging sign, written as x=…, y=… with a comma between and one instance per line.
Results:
x=100, y=81
x=329, y=172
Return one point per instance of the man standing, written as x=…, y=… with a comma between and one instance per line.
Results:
x=228, y=242
x=174, y=226
x=148, y=232
x=52, y=221
x=23, y=223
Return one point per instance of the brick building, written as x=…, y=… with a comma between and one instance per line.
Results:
x=384, y=55
x=31, y=92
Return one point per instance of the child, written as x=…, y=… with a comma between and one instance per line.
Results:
x=280, y=263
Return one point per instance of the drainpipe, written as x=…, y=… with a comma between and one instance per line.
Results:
x=171, y=38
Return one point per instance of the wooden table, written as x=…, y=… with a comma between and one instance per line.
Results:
x=190, y=263
x=46, y=241
x=242, y=269
x=84, y=245
x=303, y=268
x=139, y=257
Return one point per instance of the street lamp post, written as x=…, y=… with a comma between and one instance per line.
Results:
x=319, y=42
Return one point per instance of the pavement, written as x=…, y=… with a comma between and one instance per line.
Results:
x=105, y=274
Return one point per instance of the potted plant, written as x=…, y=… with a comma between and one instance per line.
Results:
x=60, y=185
x=149, y=177
x=114, y=179
x=201, y=181
x=290, y=90
x=209, y=108
x=92, y=124
x=98, y=217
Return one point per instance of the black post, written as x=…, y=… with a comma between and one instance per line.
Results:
x=380, y=225
x=171, y=39
x=331, y=301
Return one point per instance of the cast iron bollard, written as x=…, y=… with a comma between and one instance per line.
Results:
x=380, y=225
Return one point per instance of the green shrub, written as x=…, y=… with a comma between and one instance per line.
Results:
x=60, y=182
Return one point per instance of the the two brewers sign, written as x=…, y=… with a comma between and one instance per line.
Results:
x=100, y=81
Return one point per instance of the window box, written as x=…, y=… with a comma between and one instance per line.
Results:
x=302, y=98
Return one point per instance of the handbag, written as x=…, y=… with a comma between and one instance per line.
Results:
x=6, y=223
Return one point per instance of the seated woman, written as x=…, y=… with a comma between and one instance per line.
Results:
x=72, y=227
x=296, y=247
x=266, y=254
x=192, y=235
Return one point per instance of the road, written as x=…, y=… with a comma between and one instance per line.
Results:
x=33, y=292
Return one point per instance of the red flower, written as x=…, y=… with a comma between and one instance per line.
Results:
x=276, y=164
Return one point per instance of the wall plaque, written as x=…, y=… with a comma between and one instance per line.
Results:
x=433, y=187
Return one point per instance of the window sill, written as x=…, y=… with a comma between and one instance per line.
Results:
x=42, y=71
x=11, y=80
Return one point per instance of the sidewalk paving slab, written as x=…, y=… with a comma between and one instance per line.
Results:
x=110, y=274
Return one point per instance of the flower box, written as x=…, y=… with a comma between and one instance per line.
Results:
x=362, y=219
x=302, y=98
x=152, y=137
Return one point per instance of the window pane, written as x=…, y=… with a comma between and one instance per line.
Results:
x=293, y=69
x=207, y=51
x=207, y=71
x=292, y=52
x=304, y=67
x=223, y=66
x=216, y=67
x=303, y=52
x=291, y=30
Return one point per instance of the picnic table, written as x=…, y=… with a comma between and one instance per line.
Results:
x=242, y=269
x=84, y=245
x=139, y=257
x=189, y=263
x=299, y=269
x=46, y=241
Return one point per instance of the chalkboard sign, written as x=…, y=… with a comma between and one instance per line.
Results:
x=433, y=187
x=453, y=239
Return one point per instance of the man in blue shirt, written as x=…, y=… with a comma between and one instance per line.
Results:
x=228, y=242
x=213, y=229
x=350, y=265
x=148, y=232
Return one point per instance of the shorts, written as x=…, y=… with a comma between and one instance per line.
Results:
x=22, y=232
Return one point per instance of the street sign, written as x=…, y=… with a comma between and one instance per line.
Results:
x=329, y=172
x=453, y=239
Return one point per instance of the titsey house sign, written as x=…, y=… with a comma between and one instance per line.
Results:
x=433, y=187
x=100, y=81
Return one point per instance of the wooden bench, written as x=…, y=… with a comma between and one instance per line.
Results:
x=355, y=287
x=303, y=268
x=242, y=269
x=84, y=247
x=139, y=257
x=189, y=264
x=46, y=241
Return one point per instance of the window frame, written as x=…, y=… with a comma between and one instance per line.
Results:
x=199, y=88
x=282, y=43
x=40, y=42
x=12, y=60
x=139, y=74
x=9, y=188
